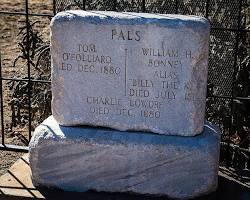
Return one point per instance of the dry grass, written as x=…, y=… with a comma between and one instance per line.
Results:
x=9, y=29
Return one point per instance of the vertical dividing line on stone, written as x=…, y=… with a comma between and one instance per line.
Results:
x=28, y=62
x=125, y=73
x=1, y=93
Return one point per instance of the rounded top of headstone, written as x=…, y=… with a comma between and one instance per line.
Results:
x=130, y=71
x=132, y=18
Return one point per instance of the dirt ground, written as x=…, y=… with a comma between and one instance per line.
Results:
x=17, y=184
x=9, y=39
x=9, y=28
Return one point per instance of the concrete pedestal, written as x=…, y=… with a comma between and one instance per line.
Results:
x=84, y=158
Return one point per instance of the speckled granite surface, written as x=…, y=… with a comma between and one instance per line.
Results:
x=84, y=158
x=130, y=71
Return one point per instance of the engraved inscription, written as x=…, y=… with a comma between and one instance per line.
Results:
x=119, y=34
x=144, y=97
x=130, y=71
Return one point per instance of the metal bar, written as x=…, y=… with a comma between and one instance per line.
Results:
x=83, y=4
x=1, y=93
x=49, y=15
x=115, y=5
x=230, y=29
x=28, y=63
x=45, y=81
x=54, y=7
x=16, y=148
x=235, y=147
x=31, y=80
x=176, y=6
x=143, y=6
x=234, y=80
x=22, y=13
x=207, y=6
x=228, y=97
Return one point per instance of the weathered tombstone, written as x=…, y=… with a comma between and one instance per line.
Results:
x=130, y=71
x=81, y=159
x=127, y=71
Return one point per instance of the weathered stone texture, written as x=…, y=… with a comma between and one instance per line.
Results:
x=130, y=71
x=84, y=158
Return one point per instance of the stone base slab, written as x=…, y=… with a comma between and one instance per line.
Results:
x=86, y=158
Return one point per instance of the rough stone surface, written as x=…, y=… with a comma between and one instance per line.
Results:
x=83, y=158
x=130, y=71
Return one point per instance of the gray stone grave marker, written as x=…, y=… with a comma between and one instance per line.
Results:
x=130, y=71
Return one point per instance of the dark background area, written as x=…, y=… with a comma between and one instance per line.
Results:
x=25, y=68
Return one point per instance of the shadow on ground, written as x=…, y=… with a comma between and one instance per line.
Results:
x=17, y=185
x=227, y=190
